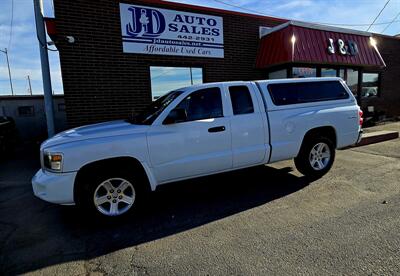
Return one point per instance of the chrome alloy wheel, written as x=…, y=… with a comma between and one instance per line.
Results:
x=320, y=156
x=114, y=196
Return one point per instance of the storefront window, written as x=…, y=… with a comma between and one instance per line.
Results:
x=341, y=73
x=352, y=80
x=369, y=85
x=279, y=74
x=328, y=72
x=165, y=79
x=304, y=72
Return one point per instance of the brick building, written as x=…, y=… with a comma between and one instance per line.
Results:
x=121, y=50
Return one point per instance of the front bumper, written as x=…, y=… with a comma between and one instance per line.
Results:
x=54, y=187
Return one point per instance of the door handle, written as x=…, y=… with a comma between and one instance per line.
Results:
x=216, y=129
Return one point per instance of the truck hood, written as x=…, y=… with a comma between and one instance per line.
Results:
x=100, y=130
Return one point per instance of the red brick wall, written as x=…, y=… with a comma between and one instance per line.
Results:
x=102, y=83
x=389, y=99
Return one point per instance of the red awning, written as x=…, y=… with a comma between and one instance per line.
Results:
x=312, y=44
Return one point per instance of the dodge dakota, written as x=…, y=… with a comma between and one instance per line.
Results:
x=197, y=131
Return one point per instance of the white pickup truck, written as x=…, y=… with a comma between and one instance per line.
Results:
x=196, y=131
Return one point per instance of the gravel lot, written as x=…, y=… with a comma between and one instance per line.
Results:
x=263, y=220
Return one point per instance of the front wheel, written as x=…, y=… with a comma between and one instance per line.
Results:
x=110, y=194
x=316, y=157
x=114, y=196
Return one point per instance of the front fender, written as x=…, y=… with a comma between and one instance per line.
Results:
x=80, y=153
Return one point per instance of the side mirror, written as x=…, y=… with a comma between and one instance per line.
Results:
x=176, y=115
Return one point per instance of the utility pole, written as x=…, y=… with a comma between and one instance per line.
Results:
x=30, y=86
x=9, y=71
x=44, y=58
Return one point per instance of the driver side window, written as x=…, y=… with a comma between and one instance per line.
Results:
x=203, y=104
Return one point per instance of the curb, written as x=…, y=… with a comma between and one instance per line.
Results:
x=377, y=137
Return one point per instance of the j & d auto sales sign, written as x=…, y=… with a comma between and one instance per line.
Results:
x=148, y=30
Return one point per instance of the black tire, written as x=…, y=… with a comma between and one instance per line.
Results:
x=90, y=183
x=305, y=159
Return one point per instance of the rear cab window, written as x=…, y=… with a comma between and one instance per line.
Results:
x=306, y=92
x=241, y=100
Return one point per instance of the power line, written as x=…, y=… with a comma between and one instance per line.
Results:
x=235, y=6
x=391, y=22
x=322, y=23
x=11, y=22
x=378, y=15
x=356, y=25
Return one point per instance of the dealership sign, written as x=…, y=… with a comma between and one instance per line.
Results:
x=148, y=30
x=350, y=48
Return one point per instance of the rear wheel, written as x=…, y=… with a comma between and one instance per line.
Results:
x=316, y=157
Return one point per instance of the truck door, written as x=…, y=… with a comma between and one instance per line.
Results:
x=249, y=128
x=200, y=144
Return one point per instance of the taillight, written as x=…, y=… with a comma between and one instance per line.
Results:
x=360, y=116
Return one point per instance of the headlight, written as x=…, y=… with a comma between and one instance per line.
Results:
x=52, y=161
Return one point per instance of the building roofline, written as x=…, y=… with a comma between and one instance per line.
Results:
x=317, y=27
x=216, y=10
x=396, y=37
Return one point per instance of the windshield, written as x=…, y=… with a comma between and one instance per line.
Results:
x=151, y=112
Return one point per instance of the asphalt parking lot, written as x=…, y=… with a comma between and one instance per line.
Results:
x=263, y=220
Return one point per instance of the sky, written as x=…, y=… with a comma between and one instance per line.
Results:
x=24, y=49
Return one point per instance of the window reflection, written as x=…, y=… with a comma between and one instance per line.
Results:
x=304, y=72
x=164, y=79
x=352, y=80
x=369, y=81
x=342, y=74
x=369, y=85
x=328, y=72
x=279, y=74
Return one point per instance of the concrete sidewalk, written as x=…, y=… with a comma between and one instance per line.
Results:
x=381, y=133
x=388, y=126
